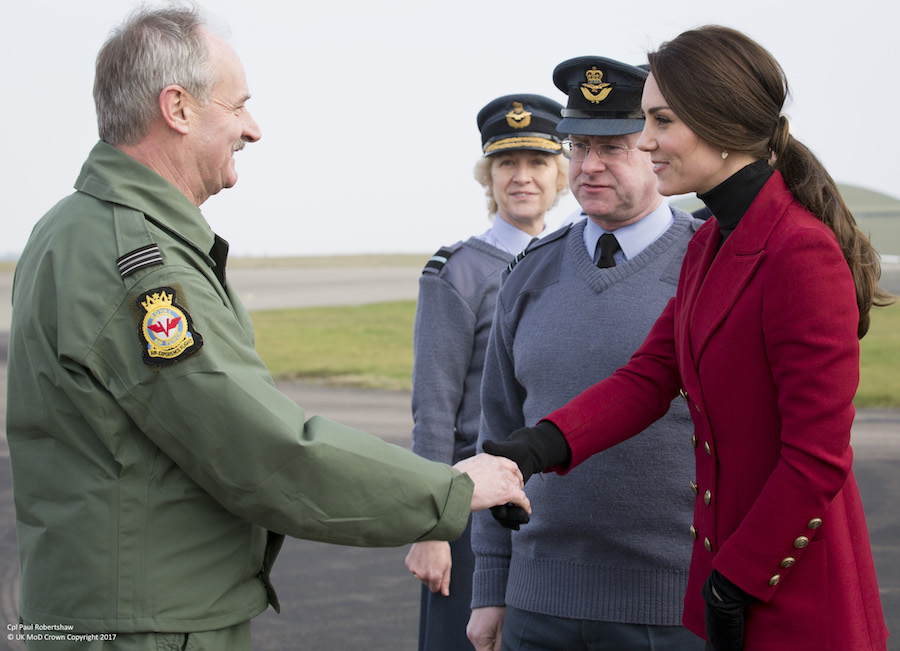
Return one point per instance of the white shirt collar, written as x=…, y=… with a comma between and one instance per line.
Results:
x=507, y=237
x=635, y=237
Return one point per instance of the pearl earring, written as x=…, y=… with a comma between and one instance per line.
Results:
x=724, y=154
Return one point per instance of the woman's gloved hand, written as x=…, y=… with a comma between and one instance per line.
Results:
x=533, y=449
x=726, y=611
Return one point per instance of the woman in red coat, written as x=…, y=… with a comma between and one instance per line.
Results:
x=762, y=340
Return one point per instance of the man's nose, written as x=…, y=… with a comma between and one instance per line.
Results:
x=251, y=132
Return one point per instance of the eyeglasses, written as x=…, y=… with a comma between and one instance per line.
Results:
x=607, y=151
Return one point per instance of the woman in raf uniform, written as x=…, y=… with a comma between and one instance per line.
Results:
x=523, y=175
x=762, y=340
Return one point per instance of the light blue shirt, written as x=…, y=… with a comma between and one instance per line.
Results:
x=507, y=237
x=635, y=237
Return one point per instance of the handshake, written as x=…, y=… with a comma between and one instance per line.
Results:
x=531, y=450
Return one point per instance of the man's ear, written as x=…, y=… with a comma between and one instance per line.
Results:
x=173, y=104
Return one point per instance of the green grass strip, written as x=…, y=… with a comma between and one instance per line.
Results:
x=364, y=346
x=879, y=365
x=371, y=346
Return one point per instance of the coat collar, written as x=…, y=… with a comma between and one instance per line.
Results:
x=717, y=278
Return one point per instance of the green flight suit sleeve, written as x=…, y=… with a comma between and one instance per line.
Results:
x=219, y=417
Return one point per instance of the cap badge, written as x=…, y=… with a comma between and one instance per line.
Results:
x=595, y=90
x=166, y=328
x=518, y=118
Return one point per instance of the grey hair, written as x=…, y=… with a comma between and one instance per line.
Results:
x=152, y=49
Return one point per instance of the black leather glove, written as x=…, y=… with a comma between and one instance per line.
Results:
x=533, y=449
x=510, y=515
x=726, y=610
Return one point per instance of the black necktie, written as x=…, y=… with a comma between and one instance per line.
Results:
x=607, y=245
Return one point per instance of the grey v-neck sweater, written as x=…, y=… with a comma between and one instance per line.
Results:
x=610, y=540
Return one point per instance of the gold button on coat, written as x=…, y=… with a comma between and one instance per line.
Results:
x=694, y=440
x=788, y=562
x=707, y=544
x=695, y=489
x=774, y=580
x=801, y=541
x=707, y=497
x=708, y=449
x=815, y=523
x=693, y=532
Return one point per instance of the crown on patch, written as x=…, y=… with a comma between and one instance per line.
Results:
x=159, y=299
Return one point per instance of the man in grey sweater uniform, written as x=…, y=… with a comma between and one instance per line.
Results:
x=603, y=562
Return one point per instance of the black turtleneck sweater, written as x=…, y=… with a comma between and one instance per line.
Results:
x=729, y=200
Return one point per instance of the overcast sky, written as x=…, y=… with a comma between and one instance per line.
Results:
x=368, y=109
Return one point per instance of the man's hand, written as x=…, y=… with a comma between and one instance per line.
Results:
x=533, y=449
x=497, y=481
x=485, y=627
x=430, y=562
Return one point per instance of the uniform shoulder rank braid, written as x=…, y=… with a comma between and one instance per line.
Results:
x=517, y=259
x=166, y=331
x=438, y=260
x=146, y=256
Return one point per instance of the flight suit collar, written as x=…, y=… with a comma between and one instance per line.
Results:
x=113, y=176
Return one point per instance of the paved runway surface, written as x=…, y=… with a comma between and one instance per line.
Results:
x=343, y=599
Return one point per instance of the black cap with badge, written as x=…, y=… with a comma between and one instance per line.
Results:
x=604, y=96
x=520, y=122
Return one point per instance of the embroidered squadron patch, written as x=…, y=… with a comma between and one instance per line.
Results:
x=166, y=328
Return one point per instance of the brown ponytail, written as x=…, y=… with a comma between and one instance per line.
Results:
x=730, y=91
x=817, y=191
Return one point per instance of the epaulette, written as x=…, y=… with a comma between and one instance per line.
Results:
x=537, y=243
x=137, y=250
x=438, y=260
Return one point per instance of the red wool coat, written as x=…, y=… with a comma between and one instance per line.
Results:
x=761, y=342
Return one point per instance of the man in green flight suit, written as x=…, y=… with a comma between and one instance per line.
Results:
x=156, y=468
